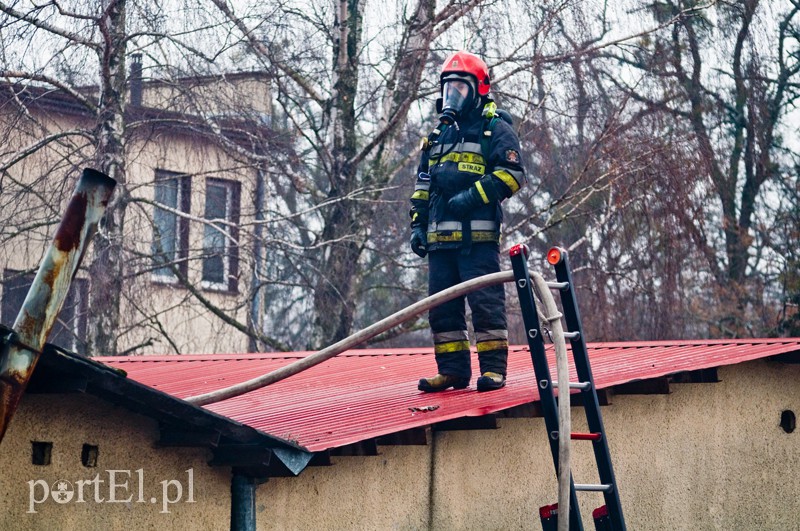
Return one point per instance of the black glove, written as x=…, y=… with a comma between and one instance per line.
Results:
x=419, y=241
x=464, y=202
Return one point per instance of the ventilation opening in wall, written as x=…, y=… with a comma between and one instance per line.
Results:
x=788, y=421
x=89, y=455
x=40, y=452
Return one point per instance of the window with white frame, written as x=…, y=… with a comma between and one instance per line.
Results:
x=221, y=234
x=170, y=229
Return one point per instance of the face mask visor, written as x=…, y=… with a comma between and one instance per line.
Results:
x=457, y=97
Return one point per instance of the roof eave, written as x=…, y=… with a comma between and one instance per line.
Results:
x=233, y=444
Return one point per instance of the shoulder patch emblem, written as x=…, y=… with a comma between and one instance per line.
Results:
x=512, y=156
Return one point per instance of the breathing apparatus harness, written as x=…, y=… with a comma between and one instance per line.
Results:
x=490, y=115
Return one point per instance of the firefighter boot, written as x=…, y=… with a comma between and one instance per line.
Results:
x=491, y=381
x=441, y=382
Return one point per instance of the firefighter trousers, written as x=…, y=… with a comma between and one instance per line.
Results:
x=447, y=268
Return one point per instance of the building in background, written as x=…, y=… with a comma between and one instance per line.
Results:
x=192, y=148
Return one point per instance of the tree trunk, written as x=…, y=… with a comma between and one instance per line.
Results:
x=106, y=268
x=346, y=221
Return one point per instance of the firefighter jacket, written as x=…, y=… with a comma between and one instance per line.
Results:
x=482, y=148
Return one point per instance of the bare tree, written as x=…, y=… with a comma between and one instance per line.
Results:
x=350, y=120
x=105, y=43
x=659, y=172
x=728, y=84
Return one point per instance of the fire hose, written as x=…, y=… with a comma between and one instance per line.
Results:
x=552, y=317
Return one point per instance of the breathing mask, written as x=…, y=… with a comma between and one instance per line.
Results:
x=458, y=98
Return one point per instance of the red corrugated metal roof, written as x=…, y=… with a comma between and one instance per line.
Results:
x=362, y=394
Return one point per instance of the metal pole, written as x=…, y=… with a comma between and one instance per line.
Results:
x=50, y=287
x=243, y=503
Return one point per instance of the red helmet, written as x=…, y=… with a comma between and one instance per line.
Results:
x=467, y=63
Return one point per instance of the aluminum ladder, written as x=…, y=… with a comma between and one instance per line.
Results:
x=607, y=517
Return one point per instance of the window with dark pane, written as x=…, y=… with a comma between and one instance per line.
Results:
x=170, y=230
x=220, y=234
x=69, y=330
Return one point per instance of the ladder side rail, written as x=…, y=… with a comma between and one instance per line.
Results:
x=542, y=371
x=591, y=403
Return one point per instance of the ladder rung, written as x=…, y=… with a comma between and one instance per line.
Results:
x=583, y=386
x=585, y=436
x=557, y=285
x=606, y=487
x=572, y=335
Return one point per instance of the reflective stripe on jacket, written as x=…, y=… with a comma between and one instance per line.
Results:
x=454, y=163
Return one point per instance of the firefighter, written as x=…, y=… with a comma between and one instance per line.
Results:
x=470, y=163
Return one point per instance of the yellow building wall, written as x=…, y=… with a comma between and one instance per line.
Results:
x=706, y=456
x=192, y=328
x=125, y=443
